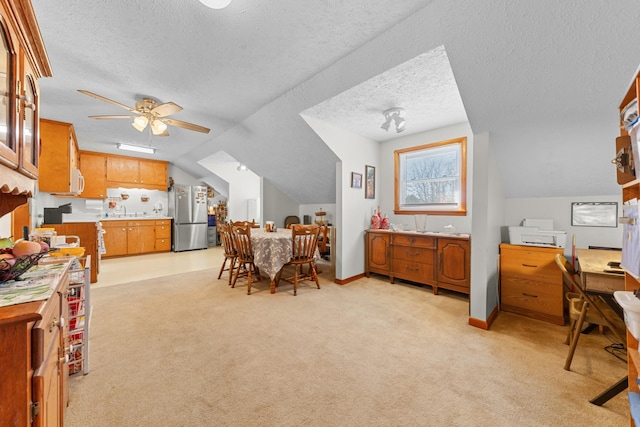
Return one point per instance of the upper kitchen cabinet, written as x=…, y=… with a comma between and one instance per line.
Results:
x=59, y=173
x=133, y=172
x=93, y=167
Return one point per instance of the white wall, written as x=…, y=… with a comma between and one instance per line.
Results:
x=353, y=211
x=488, y=209
x=559, y=210
x=385, y=177
x=277, y=205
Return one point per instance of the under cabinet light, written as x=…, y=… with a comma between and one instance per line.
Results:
x=137, y=148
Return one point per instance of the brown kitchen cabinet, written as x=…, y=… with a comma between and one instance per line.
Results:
x=93, y=167
x=141, y=238
x=115, y=238
x=163, y=235
x=133, y=172
x=58, y=158
x=421, y=258
x=34, y=386
x=88, y=234
x=531, y=282
x=136, y=237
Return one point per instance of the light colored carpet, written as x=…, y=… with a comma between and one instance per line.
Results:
x=187, y=350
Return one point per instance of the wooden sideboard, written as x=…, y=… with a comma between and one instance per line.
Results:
x=531, y=282
x=33, y=336
x=431, y=259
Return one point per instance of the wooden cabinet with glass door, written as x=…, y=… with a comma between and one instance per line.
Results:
x=23, y=60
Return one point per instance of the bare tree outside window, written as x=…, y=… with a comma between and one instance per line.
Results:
x=431, y=178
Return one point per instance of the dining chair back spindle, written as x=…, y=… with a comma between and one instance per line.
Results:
x=230, y=253
x=242, y=242
x=305, y=243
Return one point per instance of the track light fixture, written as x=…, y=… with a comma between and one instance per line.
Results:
x=394, y=115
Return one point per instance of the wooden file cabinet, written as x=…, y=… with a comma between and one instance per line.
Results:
x=531, y=282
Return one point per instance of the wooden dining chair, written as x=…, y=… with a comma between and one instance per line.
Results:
x=230, y=253
x=585, y=308
x=305, y=242
x=242, y=243
x=323, y=242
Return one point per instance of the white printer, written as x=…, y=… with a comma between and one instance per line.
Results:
x=537, y=232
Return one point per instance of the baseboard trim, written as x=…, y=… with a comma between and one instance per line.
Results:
x=348, y=280
x=484, y=324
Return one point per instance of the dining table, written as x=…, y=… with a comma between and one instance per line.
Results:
x=271, y=251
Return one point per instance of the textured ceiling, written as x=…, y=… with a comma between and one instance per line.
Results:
x=543, y=78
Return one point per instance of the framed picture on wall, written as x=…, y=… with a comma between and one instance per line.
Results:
x=594, y=214
x=370, y=182
x=356, y=180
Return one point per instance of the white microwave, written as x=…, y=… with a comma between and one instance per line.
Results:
x=77, y=181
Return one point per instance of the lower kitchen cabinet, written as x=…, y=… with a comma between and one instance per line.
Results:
x=531, y=282
x=137, y=237
x=88, y=234
x=163, y=235
x=421, y=258
x=34, y=386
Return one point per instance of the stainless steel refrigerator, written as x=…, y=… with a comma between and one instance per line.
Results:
x=188, y=207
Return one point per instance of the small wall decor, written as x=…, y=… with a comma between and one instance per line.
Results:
x=370, y=183
x=594, y=214
x=356, y=180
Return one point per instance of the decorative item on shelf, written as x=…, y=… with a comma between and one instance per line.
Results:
x=171, y=183
x=320, y=217
x=124, y=196
x=144, y=198
x=376, y=219
x=384, y=223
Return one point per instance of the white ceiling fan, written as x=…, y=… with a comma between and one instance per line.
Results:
x=149, y=112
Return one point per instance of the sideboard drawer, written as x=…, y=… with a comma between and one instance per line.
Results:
x=415, y=254
x=414, y=271
x=415, y=241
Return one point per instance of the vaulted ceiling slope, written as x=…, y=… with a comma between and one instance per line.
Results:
x=544, y=78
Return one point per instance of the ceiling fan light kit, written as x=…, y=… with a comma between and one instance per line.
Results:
x=394, y=115
x=149, y=112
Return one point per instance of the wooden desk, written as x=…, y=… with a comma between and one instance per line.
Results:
x=597, y=279
x=596, y=275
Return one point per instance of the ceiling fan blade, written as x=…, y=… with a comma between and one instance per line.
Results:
x=110, y=101
x=186, y=125
x=112, y=117
x=166, y=109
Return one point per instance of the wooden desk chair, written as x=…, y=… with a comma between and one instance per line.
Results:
x=583, y=308
x=230, y=253
x=242, y=243
x=305, y=242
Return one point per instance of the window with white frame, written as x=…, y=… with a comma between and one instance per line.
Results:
x=431, y=178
